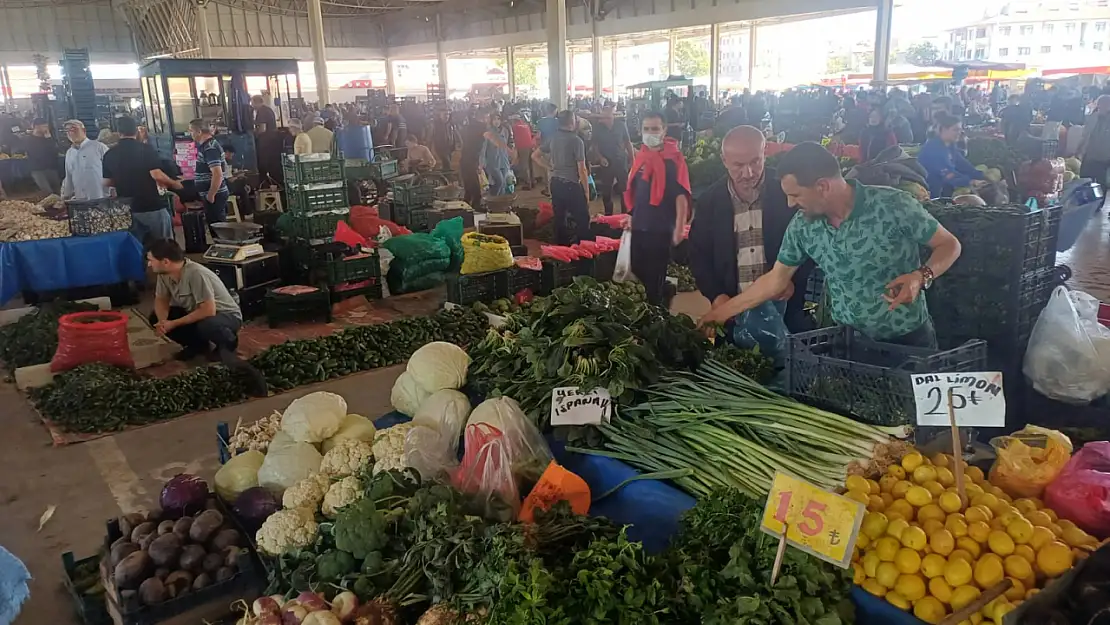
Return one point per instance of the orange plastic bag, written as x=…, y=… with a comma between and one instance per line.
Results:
x=1028, y=460
x=96, y=336
x=555, y=485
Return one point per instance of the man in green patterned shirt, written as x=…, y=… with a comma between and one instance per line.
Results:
x=866, y=239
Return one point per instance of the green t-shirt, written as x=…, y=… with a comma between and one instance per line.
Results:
x=880, y=240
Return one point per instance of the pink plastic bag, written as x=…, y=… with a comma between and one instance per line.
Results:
x=1081, y=492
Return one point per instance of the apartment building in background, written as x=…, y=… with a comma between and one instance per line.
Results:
x=1042, y=33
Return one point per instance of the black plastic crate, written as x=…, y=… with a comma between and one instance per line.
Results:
x=1007, y=242
x=82, y=581
x=370, y=289
x=413, y=218
x=311, y=200
x=319, y=226
x=466, y=289
x=299, y=170
x=92, y=217
x=356, y=169
x=413, y=194
x=521, y=279
x=282, y=308
x=605, y=264
x=1083, y=424
x=384, y=169
x=339, y=268
x=841, y=370
x=556, y=274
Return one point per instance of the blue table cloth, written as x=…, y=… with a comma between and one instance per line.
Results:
x=70, y=262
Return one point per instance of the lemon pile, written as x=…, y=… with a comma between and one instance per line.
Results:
x=923, y=549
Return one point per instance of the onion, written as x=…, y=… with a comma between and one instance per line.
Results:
x=312, y=601
x=345, y=605
x=265, y=605
x=294, y=615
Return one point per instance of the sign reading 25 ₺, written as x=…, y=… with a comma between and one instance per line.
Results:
x=817, y=521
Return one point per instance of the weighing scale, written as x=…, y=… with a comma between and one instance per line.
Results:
x=235, y=242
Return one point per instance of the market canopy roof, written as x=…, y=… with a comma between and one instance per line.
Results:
x=981, y=65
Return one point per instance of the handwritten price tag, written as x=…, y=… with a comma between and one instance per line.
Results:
x=977, y=399
x=817, y=521
x=569, y=406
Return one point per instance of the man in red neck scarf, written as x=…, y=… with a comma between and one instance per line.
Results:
x=659, y=194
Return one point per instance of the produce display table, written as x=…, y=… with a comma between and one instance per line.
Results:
x=70, y=262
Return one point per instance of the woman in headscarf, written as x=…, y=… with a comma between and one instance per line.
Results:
x=495, y=154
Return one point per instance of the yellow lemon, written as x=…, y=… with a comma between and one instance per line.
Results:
x=945, y=477
x=997, y=524
x=857, y=495
x=1041, y=536
x=957, y=572
x=1054, y=558
x=931, y=511
x=1002, y=507
x=887, y=547
x=874, y=524
x=971, y=489
x=979, y=531
x=895, y=528
x=1075, y=537
x=978, y=513
x=1051, y=513
x=1001, y=609
x=961, y=554
x=923, y=474
x=1017, y=566
x=907, y=561
x=949, y=502
x=934, y=487
x=900, y=508
x=897, y=471
x=1021, y=530
x=1025, y=551
x=1016, y=591
x=940, y=589
x=1057, y=531
x=1007, y=515
x=900, y=488
x=887, y=482
x=874, y=587
x=1039, y=518
x=987, y=500
x=931, y=526
x=1026, y=506
x=930, y=610
x=1000, y=543
x=862, y=542
x=876, y=503
x=887, y=574
x=887, y=498
x=897, y=600
x=870, y=562
x=957, y=524
x=941, y=460
x=932, y=565
x=918, y=496
x=911, y=461
x=857, y=574
x=967, y=544
x=912, y=587
x=857, y=482
x=942, y=542
x=914, y=538
x=963, y=595
x=1065, y=524
x=975, y=473
x=989, y=570
x=1029, y=593
x=873, y=487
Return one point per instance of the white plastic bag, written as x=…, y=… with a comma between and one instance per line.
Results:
x=622, y=272
x=1068, y=358
x=431, y=451
x=315, y=417
x=445, y=411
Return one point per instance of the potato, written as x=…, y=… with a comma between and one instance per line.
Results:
x=132, y=570
x=231, y=556
x=142, y=529
x=152, y=591
x=224, y=573
x=155, y=515
x=181, y=527
x=121, y=550
x=192, y=558
x=165, y=550
x=179, y=583
x=212, y=562
x=129, y=521
x=146, y=541
x=205, y=525
x=202, y=581
x=161, y=573
x=224, y=539
x=165, y=527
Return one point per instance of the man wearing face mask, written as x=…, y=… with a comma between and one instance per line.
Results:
x=866, y=239
x=738, y=228
x=659, y=194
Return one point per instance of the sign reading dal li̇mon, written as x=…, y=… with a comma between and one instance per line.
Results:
x=977, y=398
x=570, y=406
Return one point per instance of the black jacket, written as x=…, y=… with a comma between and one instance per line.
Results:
x=712, y=244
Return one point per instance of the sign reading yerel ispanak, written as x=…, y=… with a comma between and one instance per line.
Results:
x=569, y=406
x=977, y=398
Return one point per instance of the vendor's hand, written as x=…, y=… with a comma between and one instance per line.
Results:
x=786, y=293
x=211, y=197
x=160, y=327
x=712, y=318
x=719, y=300
x=679, y=234
x=904, y=289
x=604, y=162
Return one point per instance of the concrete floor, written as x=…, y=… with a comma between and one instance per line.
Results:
x=94, y=481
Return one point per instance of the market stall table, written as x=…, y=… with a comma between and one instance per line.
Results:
x=69, y=262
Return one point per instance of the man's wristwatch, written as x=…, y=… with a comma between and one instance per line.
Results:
x=927, y=276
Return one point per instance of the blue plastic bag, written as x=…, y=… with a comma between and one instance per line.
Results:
x=761, y=327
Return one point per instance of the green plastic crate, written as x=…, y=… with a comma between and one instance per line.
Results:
x=413, y=195
x=316, y=226
x=385, y=169
x=415, y=219
x=357, y=169
x=346, y=269
x=301, y=171
x=302, y=200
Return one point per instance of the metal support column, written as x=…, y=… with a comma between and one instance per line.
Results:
x=204, y=39
x=596, y=52
x=714, y=62
x=441, y=56
x=570, y=72
x=510, y=70
x=672, y=65
x=613, y=69
x=319, y=55
x=556, y=51
x=884, y=16
x=753, y=50
x=390, y=77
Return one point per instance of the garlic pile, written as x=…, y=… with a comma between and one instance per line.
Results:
x=256, y=436
x=20, y=221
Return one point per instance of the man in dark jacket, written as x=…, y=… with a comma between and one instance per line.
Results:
x=738, y=227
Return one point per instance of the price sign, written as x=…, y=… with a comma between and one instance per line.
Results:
x=569, y=406
x=816, y=521
x=977, y=399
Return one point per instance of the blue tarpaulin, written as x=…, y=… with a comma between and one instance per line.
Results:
x=70, y=262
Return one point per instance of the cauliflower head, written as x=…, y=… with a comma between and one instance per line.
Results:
x=307, y=493
x=346, y=491
x=346, y=458
x=389, y=448
x=287, y=530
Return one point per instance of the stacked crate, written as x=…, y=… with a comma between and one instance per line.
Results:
x=344, y=275
x=411, y=200
x=316, y=196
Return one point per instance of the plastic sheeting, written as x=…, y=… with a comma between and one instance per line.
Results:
x=71, y=262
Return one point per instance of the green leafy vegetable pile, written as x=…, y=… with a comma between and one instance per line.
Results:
x=100, y=398
x=33, y=338
x=684, y=276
